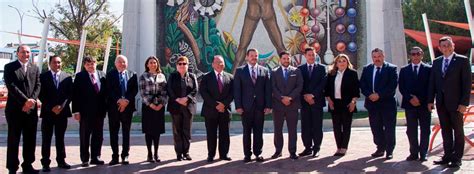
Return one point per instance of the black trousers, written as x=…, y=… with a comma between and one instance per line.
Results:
x=382, y=124
x=115, y=120
x=452, y=130
x=21, y=124
x=182, y=131
x=341, y=123
x=279, y=117
x=90, y=134
x=312, y=127
x=49, y=125
x=422, y=117
x=252, y=122
x=219, y=121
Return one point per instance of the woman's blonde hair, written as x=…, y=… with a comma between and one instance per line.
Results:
x=333, y=68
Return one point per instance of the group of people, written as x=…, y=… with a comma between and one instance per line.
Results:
x=255, y=91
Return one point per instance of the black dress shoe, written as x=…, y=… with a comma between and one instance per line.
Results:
x=157, y=158
x=455, y=164
x=276, y=155
x=179, y=157
x=150, y=159
x=210, y=159
x=315, y=154
x=305, y=153
x=125, y=160
x=114, y=161
x=441, y=162
x=412, y=158
x=293, y=156
x=11, y=171
x=377, y=153
x=247, y=159
x=46, y=169
x=30, y=170
x=85, y=164
x=187, y=157
x=259, y=159
x=225, y=158
x=339, y=154
x=389, y=156
x=97, y=161
x=423, y=159
x=64, y=165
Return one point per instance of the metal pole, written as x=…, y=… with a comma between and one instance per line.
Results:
x=81, y=50
x=107, y=52
x=428, y=36
x=21, y=22
x=471, y=25
x=328, y=56
x=43, y=42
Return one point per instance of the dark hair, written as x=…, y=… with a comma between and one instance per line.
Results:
x=283, y=53
x=88, y=59
x=158, y=68
x=250, y=50
x=416, y=48
x=445, y=38
x=378, y=50
x=52, y=57
x=334, y=68
x=308, y=49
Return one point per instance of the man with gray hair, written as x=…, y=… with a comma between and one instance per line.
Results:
x=122, y=87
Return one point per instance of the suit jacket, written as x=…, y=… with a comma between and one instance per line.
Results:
x=174, y=92
x=51, y=96
x=85, y=100
x=114, y=91
x=411, y=84
x=291, y=88
x=247, y=94
x=349, y=86
x=387, y=86
x=455, y=88
x=21, y=86
x=210, y=93
x=314, y=85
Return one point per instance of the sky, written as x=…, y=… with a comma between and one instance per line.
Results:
x=10, y=20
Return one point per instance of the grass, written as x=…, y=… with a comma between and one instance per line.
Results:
x=236, y=117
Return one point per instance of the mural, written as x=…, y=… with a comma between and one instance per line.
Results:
x=200, y=29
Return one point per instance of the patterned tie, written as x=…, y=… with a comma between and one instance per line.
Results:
x=24, y=67
x=310, y=70
x=285, y=74
x=94, y=82
x=254, y=76
x=55, y=80
x=123, y=88
x=376, y=79
x=219, y=82
x=445, y=67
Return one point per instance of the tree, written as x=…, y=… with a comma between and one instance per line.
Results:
x=451, y=10
x=69, y=19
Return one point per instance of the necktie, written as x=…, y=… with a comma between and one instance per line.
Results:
x=254, y=76
x=24, y=67
x=415, y=70
x=94, y=82
x=122, y=84
x=285, y=74
x=445, y=67
x=219, y=82
x=376, y=79
x=310, y=70
x=55, y=80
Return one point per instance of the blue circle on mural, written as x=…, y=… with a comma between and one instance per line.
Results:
x=352, y=47
x=351, y=12
x=352, y=28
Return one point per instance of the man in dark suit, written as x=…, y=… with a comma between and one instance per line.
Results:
x=413, y=82
x=217, y=92
x=314, y=82
x=89, y=108
x=450, y=85
x=378, y=83
x=287, y=83
x=23, y=84
x=55, y=96
x=252, y=97
x=122, y=87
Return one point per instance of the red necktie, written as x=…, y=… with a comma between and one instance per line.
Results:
x=219, y=83
x=96, y=87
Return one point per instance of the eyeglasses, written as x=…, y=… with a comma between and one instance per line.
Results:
x=415, y=54
x=182, y=64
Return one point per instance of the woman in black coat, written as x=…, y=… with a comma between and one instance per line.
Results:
x=342, y=91
x=152, y=86
x=182, y=90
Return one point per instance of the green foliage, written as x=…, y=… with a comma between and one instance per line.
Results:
x=443, y=10
x=173, y=36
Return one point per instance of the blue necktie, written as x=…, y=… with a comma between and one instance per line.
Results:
x=285, y=74
x=55, y=79
x=122, y=84
x=376, y=80
x=445, y=67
